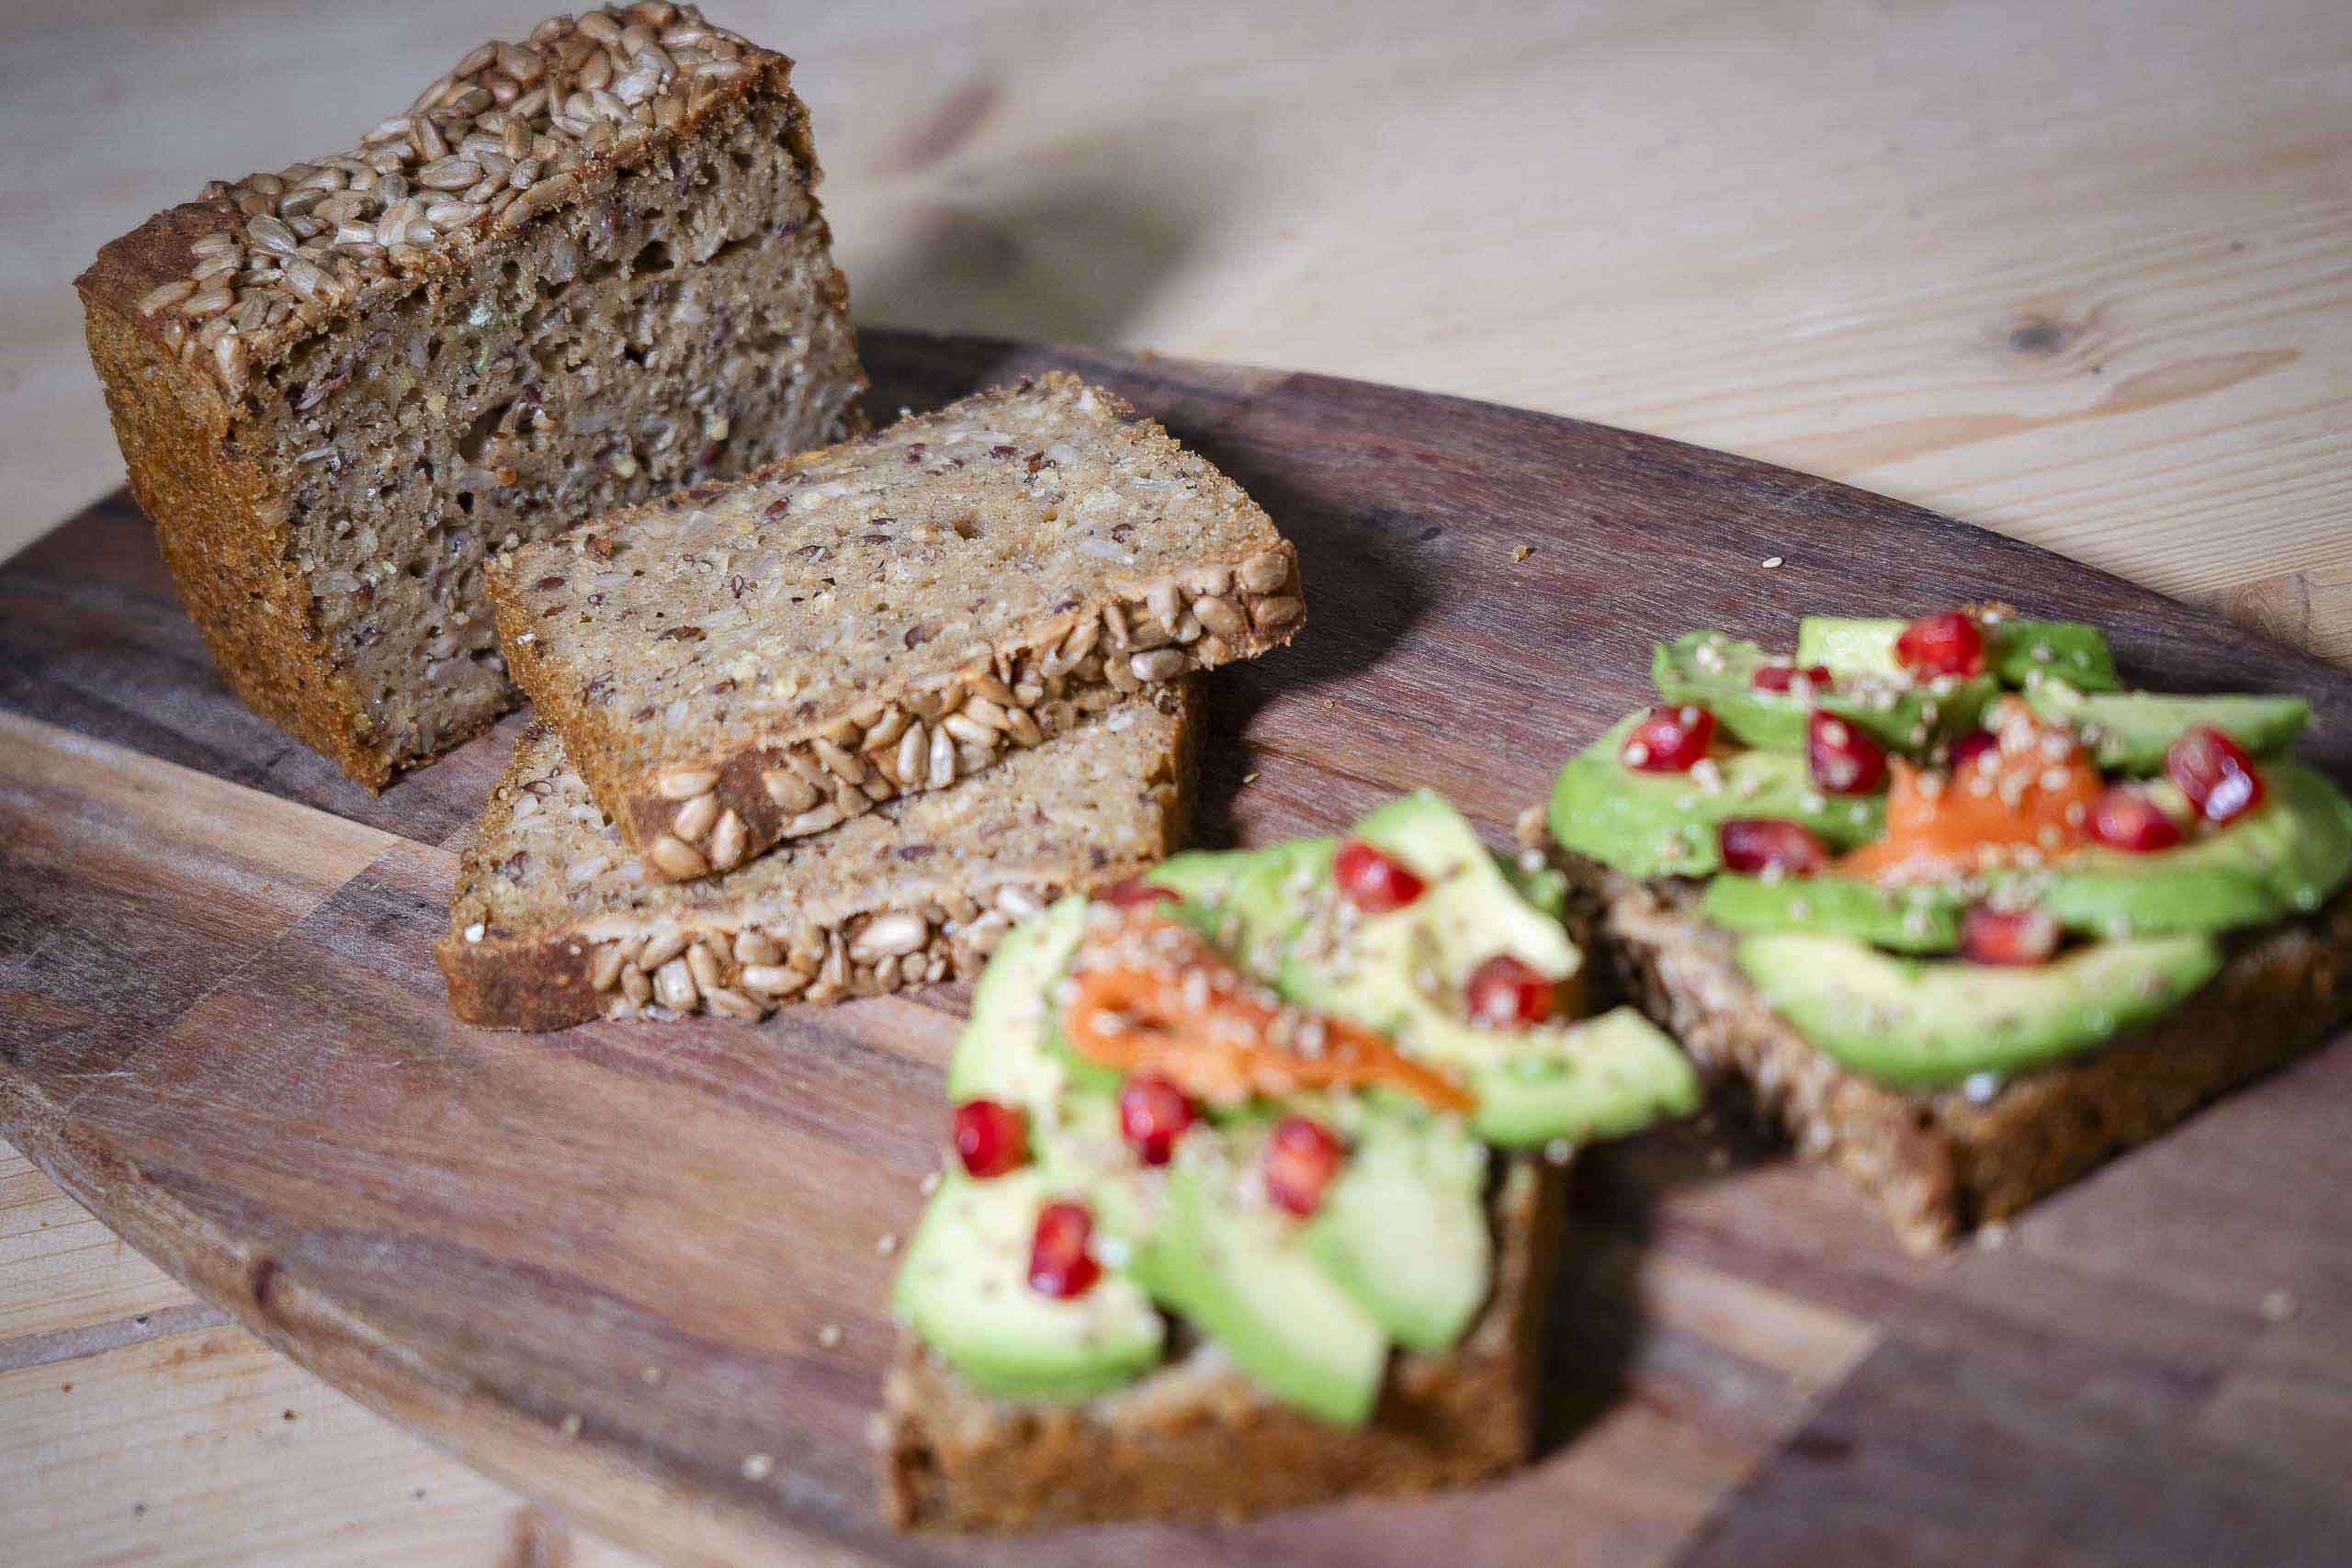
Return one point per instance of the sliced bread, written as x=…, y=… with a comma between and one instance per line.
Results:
x=577, y=271
x=734, y=668
x=1197, y=1440
x=554, y=923
x=1941, y=1161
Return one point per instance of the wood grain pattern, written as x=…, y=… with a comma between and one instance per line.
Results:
x=600, y=1265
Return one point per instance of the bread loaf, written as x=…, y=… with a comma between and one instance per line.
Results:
x=575, y=272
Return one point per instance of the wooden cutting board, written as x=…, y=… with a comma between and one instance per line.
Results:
x=607, y=1266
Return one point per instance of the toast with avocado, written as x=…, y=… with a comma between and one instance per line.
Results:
x=1257, y=1164
x=1966, y=914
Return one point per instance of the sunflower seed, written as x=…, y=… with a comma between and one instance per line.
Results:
x=169, y=294
x=659, y=948
x=676, y=859
x=841, y=764
x=673, y=985
x=606, y=971
x=1219, y=616
x=901, y=930
x=943, y=760
x=734, y=1004
x=728, y=842
x=1161, y=664
x=694, y=818
x=1019, y=902
x=1265, y=572
x=769, y=979
x=685, y=784
x=637, y=984
x=703, y=965
x=812, y=821
x=1272, y=615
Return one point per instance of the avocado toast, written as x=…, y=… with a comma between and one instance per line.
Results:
x=1965, y=914
x=1258, y=1166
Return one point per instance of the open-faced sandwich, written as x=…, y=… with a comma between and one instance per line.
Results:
x=1245, y=1208
x=1966, y=914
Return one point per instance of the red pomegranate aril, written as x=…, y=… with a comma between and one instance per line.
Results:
x=1948, y=644
x=1840, y=759
x=1509, y=993
x=2125, y=818
x=1301, y=1158
x=1754, y=845
x=1135, y=891
x=1059, y=1264
x=2215, y=772
x=991, y=1138
x=1780, y=677
x=1669, y=739
x=1153, y=1113
x=1972, y=745
x=2007, y=936
x=1373, y=880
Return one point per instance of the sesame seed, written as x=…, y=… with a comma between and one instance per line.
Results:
x=886, y=1244
x=1773, y=563
x=2279, y=1306
x=569, y=1425
x=830, y=1335
x=757, y=1467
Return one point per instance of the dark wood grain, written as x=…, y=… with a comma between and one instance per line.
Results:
x=601, y=1264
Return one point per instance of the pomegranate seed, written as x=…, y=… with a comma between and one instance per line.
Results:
x=1780, y=677
x=1948, y=644
x=2007, y=936
x=2215, y=772
x=1373, y=881
x=1059, y=1264
x=1135, y=891
x=1301, y=1158
x=1754, y=844
x=1972, y=745
x=1508, y=993
x=991, y=1138
x=1841, y=758
x=1669, y=739
x=1153, y=1112
x=2128, y=820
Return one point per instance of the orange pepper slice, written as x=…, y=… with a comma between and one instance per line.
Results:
x=2028, y=798
x=1190, y=1015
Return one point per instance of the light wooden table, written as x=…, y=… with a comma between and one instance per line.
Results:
x=2081, y=272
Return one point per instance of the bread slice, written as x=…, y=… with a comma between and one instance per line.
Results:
x=1941, y=1161
x=575, y=272
x=733, y=669
x=553, y=924
x=1195, y=1438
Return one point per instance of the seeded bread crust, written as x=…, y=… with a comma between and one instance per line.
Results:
x=1197, y=1440
x=736, y=668
x=552, y=924
x=1940, y=1162
x=232, y=333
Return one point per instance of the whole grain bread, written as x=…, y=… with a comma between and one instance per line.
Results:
x=577, y=271
x=1195, y=1438
x=1942, y=1161
x=733, y=669
x=553, y=923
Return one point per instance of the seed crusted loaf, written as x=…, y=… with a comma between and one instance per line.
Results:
x=1942, y=1161
x=1197, y=1440
x=732, y=669
x=554, y=924
x=576, y=272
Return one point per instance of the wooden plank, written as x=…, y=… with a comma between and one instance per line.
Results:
x=653, y=1229
x=63, y=1273
x=148, y=1453
x=2073, y=271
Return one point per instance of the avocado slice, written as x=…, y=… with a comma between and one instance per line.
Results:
x=2019, y=653
x=2131, y=731
x=1715, y=673
x=1240, y=1270
x=1664, y=824
x=1927, y=1022
x=1003, y=1053
x=1922, y=918
x=1599, y=1077
x=963, y=1287
x=1403, y=1228
x=2296, y=847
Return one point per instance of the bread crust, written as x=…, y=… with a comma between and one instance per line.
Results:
x=1941, y=1161
x=1197, y=1440
x=222, y=515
